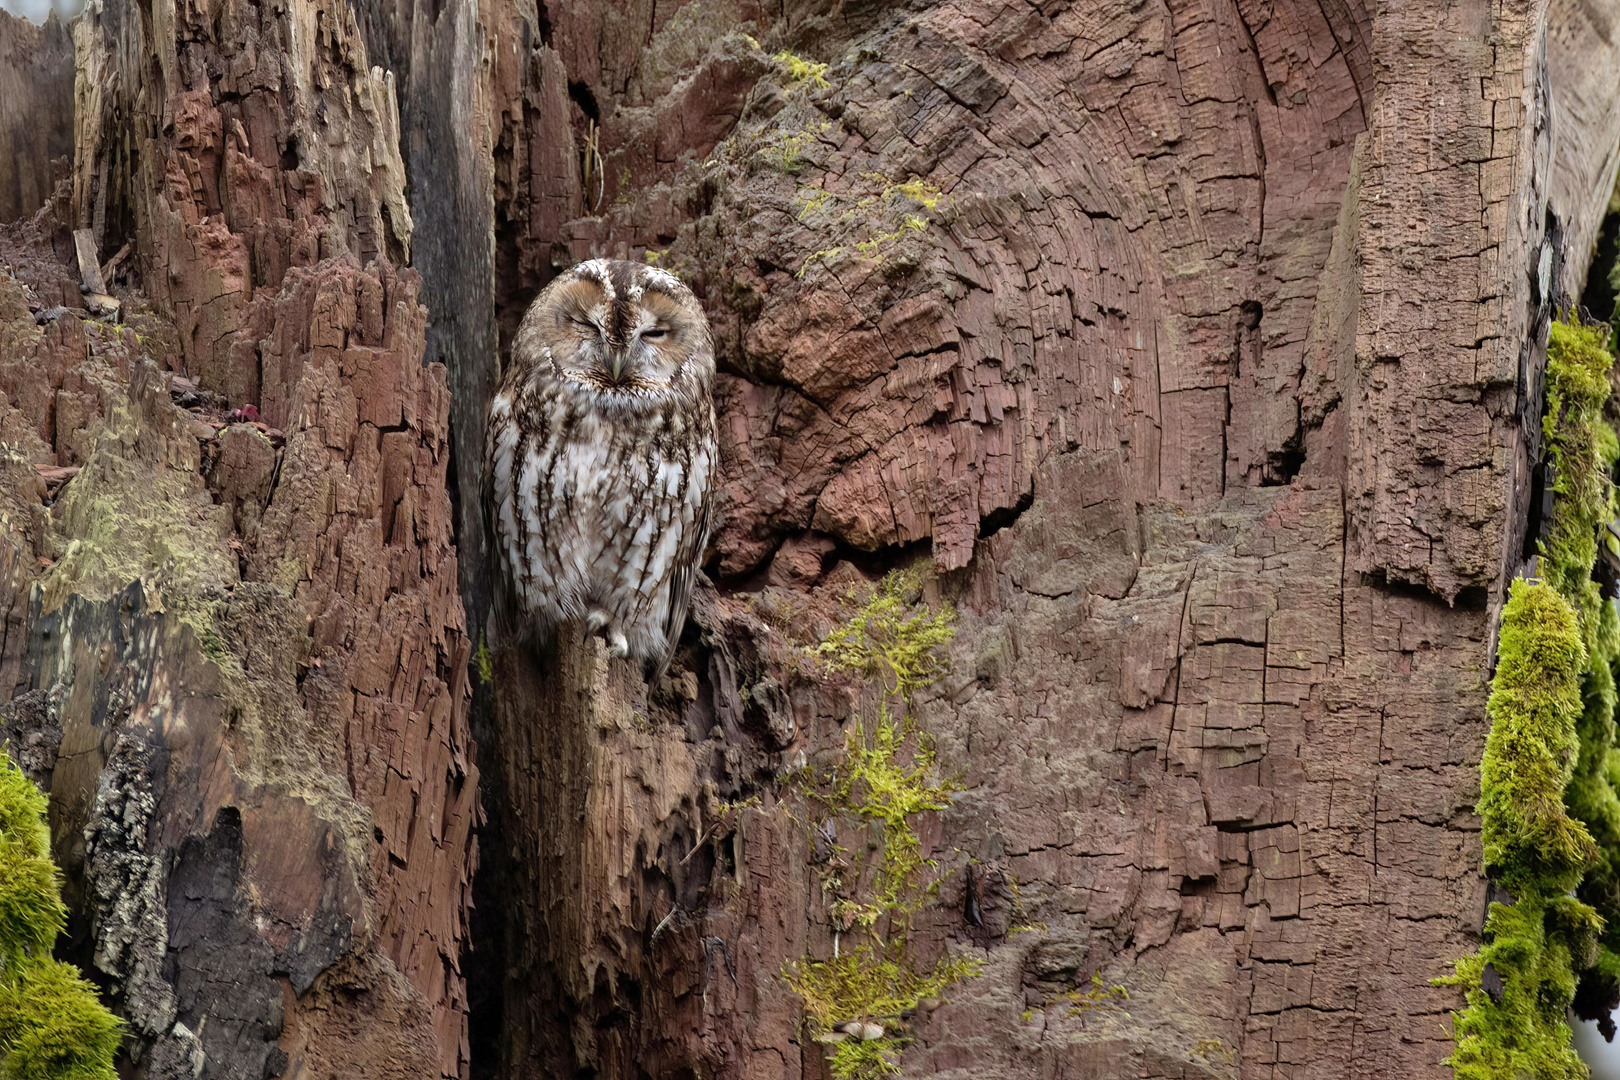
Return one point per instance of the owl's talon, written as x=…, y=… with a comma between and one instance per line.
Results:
x=595, y=621
x=617, y=646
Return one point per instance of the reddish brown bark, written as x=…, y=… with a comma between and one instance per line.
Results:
x=1228, y=331
x=265, y=793
x=1209, y=387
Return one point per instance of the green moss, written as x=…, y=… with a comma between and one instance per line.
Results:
x=1581, y=448
x=31, y=912
x=876, y=785
x=1214, y=1050
x=22, y=810
x=874, y=982
x=878, y=793
x=1550, y=814
x=799, y=73
x=889, y=640
x=860, y=1060
x=869, y=982
x=787, y=151
x=1525, y=1033
x=1530, y=840
x=52, y=1027
x=1099, y=996
x=1591, y=798
x=123, y=518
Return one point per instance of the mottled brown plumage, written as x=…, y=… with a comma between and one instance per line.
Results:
x=601, y=453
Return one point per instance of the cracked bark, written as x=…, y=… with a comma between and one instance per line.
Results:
x=1210, y=389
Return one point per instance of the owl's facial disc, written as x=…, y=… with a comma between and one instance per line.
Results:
x=656, y=341
x=622, y=337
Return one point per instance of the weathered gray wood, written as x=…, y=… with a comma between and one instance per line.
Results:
x=1583, y=54
x=84, y=247
x=36, y=112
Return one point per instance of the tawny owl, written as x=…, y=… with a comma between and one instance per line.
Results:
x=601, y=456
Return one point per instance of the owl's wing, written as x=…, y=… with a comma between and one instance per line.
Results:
x=681, y=580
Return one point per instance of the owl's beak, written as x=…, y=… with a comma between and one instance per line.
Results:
x=617, y=358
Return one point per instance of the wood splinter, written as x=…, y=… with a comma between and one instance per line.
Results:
x=84, y=245
x=96, y=299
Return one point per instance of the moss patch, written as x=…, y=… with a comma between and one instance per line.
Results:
x=1531, y=842
x=875, y=797
x=876, y=983
x=52, y=1027
x=1550, y=815
x=1581, y=449
x=870, y=218
x=879, y=787
x=892, y=640
x=799, y=73
x=124, y=518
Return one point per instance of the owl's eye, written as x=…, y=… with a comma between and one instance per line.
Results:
x=653, y=335
x=582, y=323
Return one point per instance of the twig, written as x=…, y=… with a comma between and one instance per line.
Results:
x=662, y=923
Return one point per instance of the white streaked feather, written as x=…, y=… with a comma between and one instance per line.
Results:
x=620, y=538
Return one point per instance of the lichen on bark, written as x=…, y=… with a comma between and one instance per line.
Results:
x=887, y=779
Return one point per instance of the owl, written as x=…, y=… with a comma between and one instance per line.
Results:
x=600, y=457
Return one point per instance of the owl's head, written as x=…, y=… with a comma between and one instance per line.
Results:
x=621, y=330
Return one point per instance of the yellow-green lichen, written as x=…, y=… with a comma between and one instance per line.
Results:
x=799, y=73
x=871, y=218
x=52, y=1027
x=891, y=639
x=1214, y=1050
x=887, y=780
x=1098, y=997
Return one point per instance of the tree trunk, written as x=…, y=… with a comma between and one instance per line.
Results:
x=1195, y=348
x=36, y=127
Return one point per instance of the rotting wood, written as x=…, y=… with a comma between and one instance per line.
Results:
x=111, y=266
x=1224, y=383
x=84, y=247
x=1204, y=414
x=36, y=122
